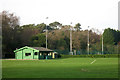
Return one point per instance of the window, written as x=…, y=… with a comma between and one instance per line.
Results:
x=27, y=54
x=35, y=53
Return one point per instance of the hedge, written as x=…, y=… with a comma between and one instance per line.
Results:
x=91, y=55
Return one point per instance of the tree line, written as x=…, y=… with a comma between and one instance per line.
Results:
x=15, y=36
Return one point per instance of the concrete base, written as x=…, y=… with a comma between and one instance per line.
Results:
x=71, y=53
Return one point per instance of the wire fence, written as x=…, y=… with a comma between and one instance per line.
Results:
x=107, y=50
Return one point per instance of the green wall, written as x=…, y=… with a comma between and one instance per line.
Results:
x=20, y=54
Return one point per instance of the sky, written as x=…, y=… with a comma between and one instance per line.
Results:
x=98, y=14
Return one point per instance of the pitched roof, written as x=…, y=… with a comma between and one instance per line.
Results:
x=34, y=48
x=42, y=49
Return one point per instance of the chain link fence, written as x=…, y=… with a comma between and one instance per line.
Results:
x=109, y=49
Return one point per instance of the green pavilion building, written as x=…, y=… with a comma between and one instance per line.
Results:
x=34, y=53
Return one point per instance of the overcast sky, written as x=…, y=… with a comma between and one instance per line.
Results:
x=99, y=14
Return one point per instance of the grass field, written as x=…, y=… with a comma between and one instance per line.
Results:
x=61, y=68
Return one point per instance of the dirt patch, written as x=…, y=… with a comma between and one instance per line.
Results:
x=19, y=59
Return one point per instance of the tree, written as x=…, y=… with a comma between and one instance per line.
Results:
x=61, y=44
x=110, y=36
x=55, y=25
x=77, y=26
x=38, y=40
x=117, y=35
x=26, y=35
x=9, y=23
x=9, y=19
x=67, y=40
x=41, y=27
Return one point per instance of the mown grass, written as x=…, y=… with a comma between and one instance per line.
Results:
x=61, y=68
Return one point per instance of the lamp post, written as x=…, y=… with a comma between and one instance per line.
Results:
x=71, y=53
x=46, y=31
x=88, y=41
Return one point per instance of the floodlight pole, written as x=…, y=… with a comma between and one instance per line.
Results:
x=88, y=40
x=46, y=31
x=102, y=43
x=71, y=39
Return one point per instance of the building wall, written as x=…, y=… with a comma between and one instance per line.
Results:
x=26, y=51
x=22, y=54
x=36, y=56
x=18, y=55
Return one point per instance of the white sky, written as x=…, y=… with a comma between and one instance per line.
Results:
x=99, y=14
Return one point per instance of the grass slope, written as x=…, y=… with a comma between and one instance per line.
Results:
x=61, y=68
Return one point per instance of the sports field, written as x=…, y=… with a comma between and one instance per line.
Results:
x=61, y=68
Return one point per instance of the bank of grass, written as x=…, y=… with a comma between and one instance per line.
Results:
x=61, y=68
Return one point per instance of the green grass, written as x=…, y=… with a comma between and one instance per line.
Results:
x=61, y=68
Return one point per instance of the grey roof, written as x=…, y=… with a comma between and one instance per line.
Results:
x=42, y=49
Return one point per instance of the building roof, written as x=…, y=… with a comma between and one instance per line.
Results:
x=34, y=48
x=42, y=49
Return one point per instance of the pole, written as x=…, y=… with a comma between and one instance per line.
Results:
x=88, y=40
x=46, y=31
x=71, y=40
x=46, y=38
